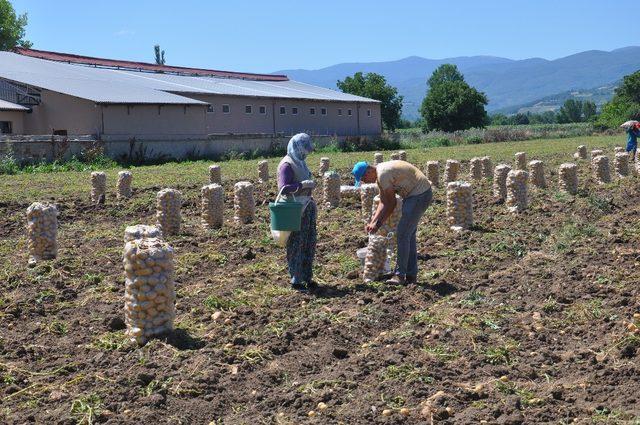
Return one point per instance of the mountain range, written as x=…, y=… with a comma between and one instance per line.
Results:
x=509, y=84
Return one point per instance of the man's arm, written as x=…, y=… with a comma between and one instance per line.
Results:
x=387, y=204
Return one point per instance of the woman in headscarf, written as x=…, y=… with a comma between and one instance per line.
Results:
x=294, y=178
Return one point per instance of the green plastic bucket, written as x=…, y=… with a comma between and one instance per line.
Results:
x=286, y=215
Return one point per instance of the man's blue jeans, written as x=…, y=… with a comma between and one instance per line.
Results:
x=413, y=208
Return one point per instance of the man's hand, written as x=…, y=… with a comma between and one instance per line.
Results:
x=308, y=184
x=372, y=227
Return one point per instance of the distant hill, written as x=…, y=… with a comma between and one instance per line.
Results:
x=508, y=83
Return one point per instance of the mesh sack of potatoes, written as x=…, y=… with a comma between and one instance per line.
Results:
x=451, y=170
x=581, y=152
x=244, y=205
x=378, y=158
x=459, y=205
x=324, y=166
x=149, y=288
x=215, y=174
x=433, y=173
x=621, y=164
x=475, y=169
x=568, y=178
x=98, y=187
x=367, y=193
x=395, y=156
x=536, y=174
x=521, y=161
x=391, y=224
x=168, y=204
x=141, y=231
x=596, y=152
x=123, y=186
x=42, y=232
x=618, y=149
x=517, y=191
x=349, y=192
x=500, y=181
x=211, y=206
x=331, y=189
x=263, y=171
x=375, y=258
x=402, y=155
x=487, y=167
x=601, y=169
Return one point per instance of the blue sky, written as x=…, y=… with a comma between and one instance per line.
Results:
x=265, y=36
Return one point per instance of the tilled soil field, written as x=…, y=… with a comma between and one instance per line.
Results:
x=524, y=319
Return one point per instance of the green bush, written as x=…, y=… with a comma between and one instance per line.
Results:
x=9, y=165
x=474, y=140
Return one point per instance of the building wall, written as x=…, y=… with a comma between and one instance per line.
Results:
x=62, y=112
x=16, y=118
x=153, y=121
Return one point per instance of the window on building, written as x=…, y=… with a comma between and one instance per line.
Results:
x=263, y=110
x=349, y=112
x=312, y=111
x=294, y=111
x=368, y=112
x=339, y=111
x=323, y=111
x=283, y=110
x=248, y=109
x=209, y=109
x=5, y=127
x=226, y=109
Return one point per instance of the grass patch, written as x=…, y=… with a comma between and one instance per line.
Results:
x=86, y=409
x=406, y=373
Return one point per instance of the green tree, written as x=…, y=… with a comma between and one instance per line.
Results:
x=589, y=110
x=451, y=104
x=12, y=27
x=625, y=104
x=571, y=111
x=630, y=88
x=375, y=86
x=159, y=55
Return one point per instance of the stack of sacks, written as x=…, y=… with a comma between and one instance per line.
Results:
x=500, y=181
x=377, y=158
x=521, y=161
x=391, y=224
x=98, y=187
x=42, y=232
x=375, y=259
x=324, y=166
x=517, y=191
x=459, y=205
x=487, y=167
x=451, y=170
x=568, y=178
x=215, y=174
x=601, y=169
x=621, y=164
x=349, y=192
x=212, y=206
x=581, y=152
x=433, y=173
x=596, y=152
x=263, y=171
x=367, y=193
x=402, y=155
x=395, y=156
x=536, y=169
x=123, y=187
x=244, y=205
x=141, y=231
x=331, y=189
x=475, y=169
x=168, y=204
x=149, y=288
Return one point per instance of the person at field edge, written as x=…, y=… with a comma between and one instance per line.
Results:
x=632, y=140
x=405, y=180
x=294, y=178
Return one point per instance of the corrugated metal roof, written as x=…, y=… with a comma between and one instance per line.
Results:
x=103, y=85
x=8, y=106
x=88, y=60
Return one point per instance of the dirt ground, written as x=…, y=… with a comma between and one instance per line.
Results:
x=522, y=320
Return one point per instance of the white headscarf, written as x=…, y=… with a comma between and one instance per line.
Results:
x=298, y=148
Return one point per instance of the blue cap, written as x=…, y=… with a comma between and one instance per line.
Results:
x=358, y=171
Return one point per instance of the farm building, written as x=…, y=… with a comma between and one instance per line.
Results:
x=45, y=93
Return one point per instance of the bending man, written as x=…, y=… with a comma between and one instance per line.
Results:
x=405, y=180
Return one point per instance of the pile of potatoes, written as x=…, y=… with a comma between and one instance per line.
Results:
x=459, y=205
x=211, y=206
x=263, y=171
x=378, y=158
x=123, y=186
x=331, y=189
x=42, y=232
x=475, y=169
x=621, y=164
x=395, y=156
x=244, y=205
x=521, y=161
x=487, y=167
x=367, y=193
x=451, y=170
x=141, y=231
x=98, y=187
x=215, y=174
x=149, y=288
x=324, y=165
x=168, y=204
x=568, y=178
x=581, y=152
x=517, y=190
x=433, y=173
x=500, y=181
x=601, y=169
x=402, y=155
x=375, y=258
x=536, y=174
